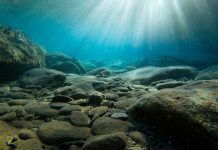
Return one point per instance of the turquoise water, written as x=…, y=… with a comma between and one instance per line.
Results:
x=119, y=30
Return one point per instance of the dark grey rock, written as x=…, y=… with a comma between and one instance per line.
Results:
x=61, y=98
x=41, y=110
x=8, y=116
x=114, y=141
x=79, y=118
x=96, y=98
x=106, y=125
x=26, y=134
x=42, y=77
x=59, y=132
x=59, y=105
x=68, y=109
x=17, y=54
x=188, y=112
x=4, y=108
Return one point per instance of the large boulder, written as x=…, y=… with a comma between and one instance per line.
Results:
x=17, y=54
x=42, y=77
x=189, y=112
x=64, y=63
x=147, y=75
x=208, y=73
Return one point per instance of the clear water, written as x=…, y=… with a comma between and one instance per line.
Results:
x=119, y=29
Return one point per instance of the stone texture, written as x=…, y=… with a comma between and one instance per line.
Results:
x=188, y=112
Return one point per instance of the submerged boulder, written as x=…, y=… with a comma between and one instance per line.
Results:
x=147, y=75
x=57, y=132
x=42, y=77
x=189, y=112
x=64, y=63
x=17, y=54
x=208, y=73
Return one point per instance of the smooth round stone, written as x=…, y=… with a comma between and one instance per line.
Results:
x=59, y=105
x=122, y=116
x=79, y=118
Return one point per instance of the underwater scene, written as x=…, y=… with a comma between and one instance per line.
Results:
x=108, y=75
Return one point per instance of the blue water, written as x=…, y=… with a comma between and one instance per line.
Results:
x=120, y=30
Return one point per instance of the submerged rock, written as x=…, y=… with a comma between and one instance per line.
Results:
x=208, y=73
x=43, y=77
x=59, y=132
x=64, y=63
x=147, y=75
x=79, y=119
x=114, y=141
x=100, y=72
x=17, y=54
x=106, y=125
x=188, y=112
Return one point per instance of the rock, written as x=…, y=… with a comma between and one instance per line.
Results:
x=96, y=98
x=59, y=105
x=4, y=108
x=98, y=111
x=68, y=109
x=17, y=54
x=79, y=119
x=20, y=111
x=106, y=125
x=8, y=117
x=81, y=102
x=82, y=82
x=122, y=116
x=4, y=88
x=188, y=112
x=41, y=110
x=26, y=134
x=99, y=85
x=100, y=72
x=59, y=132
x=123, y=104
x=21, y=102
x=208, y=73
x=138, y=137
x=147, y=75
x=111, y=96
x=169, y=85
x=21, y=124
x=114, y=141
x=71, y=91
x=61, y=98
x=64, y=63
x=18, y=95
x=43, y=77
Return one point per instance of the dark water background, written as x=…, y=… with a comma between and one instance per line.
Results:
x=155, y=31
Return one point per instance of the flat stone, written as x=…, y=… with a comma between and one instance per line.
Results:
x=122, y=116
x=59, y=132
